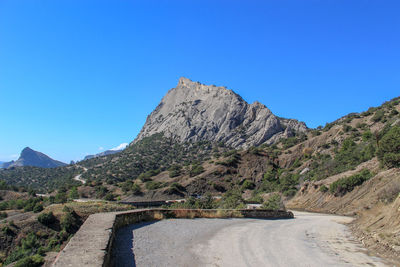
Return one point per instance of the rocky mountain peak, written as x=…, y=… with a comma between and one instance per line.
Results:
x=30, y=157
x=26, y=151
x=193, y=112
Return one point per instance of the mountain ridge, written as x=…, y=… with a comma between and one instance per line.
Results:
x=30, y=157
x=111, y=151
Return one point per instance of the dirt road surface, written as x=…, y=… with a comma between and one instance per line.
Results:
x=308, y=240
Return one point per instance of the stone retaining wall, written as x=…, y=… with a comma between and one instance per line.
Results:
x=92, y=244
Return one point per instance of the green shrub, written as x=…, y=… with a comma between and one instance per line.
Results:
x=174, y=171
x=29, y=246
x=233, y=158
x=47, y=218
x=292, y=141
x=347, y=128
x=38, y=208
x=351, y=154
x=347, y=184
x=109, y=197
x=247, y=184
x=30, y=242
x=272, y=203
x=152, y=185
x=315, y=133
x=69, y=222
x=101, y=191
x=255, y=150
x=136, y=189
x=219, y=187
x=73, y=193
x=255, y=199
x=61, y=197
x=145, y=176
x=361, y=125
x=29, y=206
x=31, y=261
x=7, y=230
x=196, y=170
x=367, y=135
x=323, y=188
x=3, y=215
x=3, y=205
x=288, y=183
x=369, y=111
x=389, y=148
x=378, y=115
x=177, y=187
x=394, y=112
x=232, y=199
x=53, y=243
x=206, y=202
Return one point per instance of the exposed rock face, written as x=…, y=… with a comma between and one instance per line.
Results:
x=194, y=112
x=31, y=157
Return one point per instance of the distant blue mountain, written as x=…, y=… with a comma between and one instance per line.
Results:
x=30, y=157
x=108, y=152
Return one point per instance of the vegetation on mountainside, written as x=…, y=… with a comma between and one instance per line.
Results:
x=347, y=184
x=27, y=241
x=348, y=156
x=272, y=203
x=41, y=179
x=232, y=158
x=361, y=145
x=277, y=179
x=389, y=147
x=294, y=140
x=151, y=154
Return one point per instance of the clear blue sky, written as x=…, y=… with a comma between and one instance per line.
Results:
x=77, y=76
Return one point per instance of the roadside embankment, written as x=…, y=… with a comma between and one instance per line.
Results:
x=375, y=204
x=92, y=244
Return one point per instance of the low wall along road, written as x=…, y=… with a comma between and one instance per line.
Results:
x=92, y=244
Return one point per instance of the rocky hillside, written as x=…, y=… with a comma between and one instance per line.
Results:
x=193, y=112
x=30, y=157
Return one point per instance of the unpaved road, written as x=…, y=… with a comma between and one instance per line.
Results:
x=308, y=240
x=78, y=177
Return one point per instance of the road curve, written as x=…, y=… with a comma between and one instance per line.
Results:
x=78, y=177
x=308, y=240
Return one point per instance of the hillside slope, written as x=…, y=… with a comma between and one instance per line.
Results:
x=350, y=171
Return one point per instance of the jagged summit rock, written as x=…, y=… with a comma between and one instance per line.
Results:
x=30, y=157
x=193, y=112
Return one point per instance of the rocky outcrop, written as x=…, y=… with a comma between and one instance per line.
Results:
x=30, y=157
x=193, y=112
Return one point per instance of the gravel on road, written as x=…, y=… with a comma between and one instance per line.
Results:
x=308, y=240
